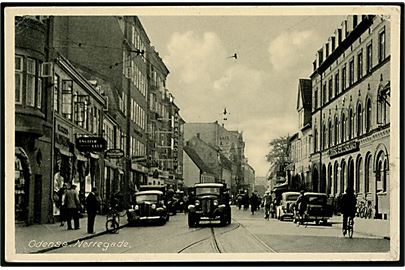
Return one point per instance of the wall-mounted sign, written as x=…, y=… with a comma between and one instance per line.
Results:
x=344, y=149
x=114, y=153
x=85, y=144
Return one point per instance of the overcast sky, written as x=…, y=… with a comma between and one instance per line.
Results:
x=259, y=89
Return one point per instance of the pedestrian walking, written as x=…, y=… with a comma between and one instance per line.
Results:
x=301, y=206
x=92, y=205
x=61, y=204
x=73, y=205
x=267, y=201
x=254, y=201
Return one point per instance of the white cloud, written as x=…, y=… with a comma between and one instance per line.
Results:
x=194, y=57
x=290, y=49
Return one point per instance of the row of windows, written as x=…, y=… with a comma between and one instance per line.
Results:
x=138, y=114
x=350, y=124
x=113, y=136
x=137, y=41
x=74, y=106
x=28, y=83
x=123, y=101
x=339, y=81
x=137, y=148
x=132, y=71
x=158, y=107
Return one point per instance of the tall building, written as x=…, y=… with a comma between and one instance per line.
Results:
x=351, y=112
x=33, y=122
x=230, y=143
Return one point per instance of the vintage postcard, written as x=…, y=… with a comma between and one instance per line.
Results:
x=202, y=133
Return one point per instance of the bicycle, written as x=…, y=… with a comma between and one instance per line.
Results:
x=349, y=227
x=113, y=220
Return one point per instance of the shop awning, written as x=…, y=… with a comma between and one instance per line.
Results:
x=95, y=156
x=80, y=156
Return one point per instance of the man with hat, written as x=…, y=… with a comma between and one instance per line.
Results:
x=301, y=206
x=73, y=206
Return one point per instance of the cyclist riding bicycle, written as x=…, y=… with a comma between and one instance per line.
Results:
x=348, y=207
x=301, y=206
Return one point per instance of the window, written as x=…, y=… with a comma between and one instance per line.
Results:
x=329, y=133
x=354, y=21
x=336, y=130
x=316, y=98
x=351, y=72
x=337, y=83
x=19, y=67
x=324, y=136
x=30, y=87
x=381, y=46
x=350, y=123
x=342, y=128
x=330, y=88
x=359, y=120
x=39, y=94
x=360, y=65
x=67, y=88
x=368, y=169
x=344, y=77
x=369, y=57
x=56, y=93
x=368, y=115
x=324, y=93
x=315, y=140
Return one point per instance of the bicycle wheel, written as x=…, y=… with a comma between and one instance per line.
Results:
x=111, y=226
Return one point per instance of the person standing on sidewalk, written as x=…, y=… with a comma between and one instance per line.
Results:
x=73, y=206
x=61, y=203
x=348, y=207
x=92, y=205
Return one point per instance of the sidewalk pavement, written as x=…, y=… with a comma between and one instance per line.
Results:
x=373, y=227
x=39, y=238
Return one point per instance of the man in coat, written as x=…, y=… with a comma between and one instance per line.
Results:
x=73, y=206
x=92, y=205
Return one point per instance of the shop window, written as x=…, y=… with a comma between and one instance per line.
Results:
x=19, y=190
x=384, y=178
x=67, y=88
x=367, y=174
x=19, y=67
x=30, y=85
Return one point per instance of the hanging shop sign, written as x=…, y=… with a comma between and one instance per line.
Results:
x=114, y=153
x=85, y=144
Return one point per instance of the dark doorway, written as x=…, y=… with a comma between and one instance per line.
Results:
x=323, y=180
x=37, y=198
x=350, y=177
x=315, y=177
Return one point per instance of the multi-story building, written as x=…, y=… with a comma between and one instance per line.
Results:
x=299, y=174
x=33, y=123
x=230, y=143
x=351, y=112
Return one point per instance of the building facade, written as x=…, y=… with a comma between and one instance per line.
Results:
x=351, y=112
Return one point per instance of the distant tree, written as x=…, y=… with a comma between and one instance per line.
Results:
x=278, y=153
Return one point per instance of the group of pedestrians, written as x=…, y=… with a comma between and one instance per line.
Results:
x=243, y=200
x=70, y=207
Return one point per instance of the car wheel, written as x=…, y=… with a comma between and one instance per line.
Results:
x=191, y=221
x=281, y=218
x=325, y=222
x=223, y=220
x=167, y=217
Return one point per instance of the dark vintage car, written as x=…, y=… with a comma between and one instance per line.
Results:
x=287, y=203
x=148, y=206
x=211, y=202
x=318, y=208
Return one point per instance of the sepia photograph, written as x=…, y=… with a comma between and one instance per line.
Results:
x=202, y=133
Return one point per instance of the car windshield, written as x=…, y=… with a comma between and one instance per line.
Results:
x=291, y=197
x=316, y=199
x=207, y=190
x=146, y=198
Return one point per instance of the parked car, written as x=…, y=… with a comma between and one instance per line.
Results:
x=148, y=206
x=211, y=203
x=287, y=204
x=318, y=208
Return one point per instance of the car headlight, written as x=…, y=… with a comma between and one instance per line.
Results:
x=136, y=207
x=215, y=202
x=153, y=206
x=197, y=202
